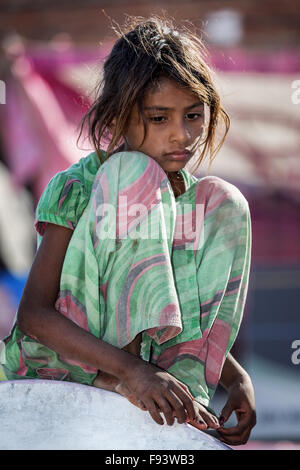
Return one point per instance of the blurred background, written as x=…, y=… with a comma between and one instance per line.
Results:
x=51, y=57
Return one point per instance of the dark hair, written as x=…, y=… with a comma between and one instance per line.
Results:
x=146, y=51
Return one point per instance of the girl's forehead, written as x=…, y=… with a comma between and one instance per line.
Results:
x=168, y=93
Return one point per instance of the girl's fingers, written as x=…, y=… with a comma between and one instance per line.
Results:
x=141, y=405
x=154, y=411
x=235, y=440
x=178, y=409
x=238, y=430
x=136, y=402
x=165, y=408
x=198, y=423
x=187, y=401
x=202, y=414
x=186, y=389
x=236, y=435
x=211, y=420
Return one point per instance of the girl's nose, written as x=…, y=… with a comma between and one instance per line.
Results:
x=180, y=133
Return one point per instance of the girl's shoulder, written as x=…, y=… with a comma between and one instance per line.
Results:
x=83, y=173
x=67, y=194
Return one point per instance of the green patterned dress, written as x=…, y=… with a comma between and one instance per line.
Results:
x=142, y=261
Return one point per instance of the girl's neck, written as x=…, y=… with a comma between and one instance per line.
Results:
x=177, y=182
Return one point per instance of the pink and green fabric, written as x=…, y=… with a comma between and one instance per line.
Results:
x=141, y=260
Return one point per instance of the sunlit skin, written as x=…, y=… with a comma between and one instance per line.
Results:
x=175, y=119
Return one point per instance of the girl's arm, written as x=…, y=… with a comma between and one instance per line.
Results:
x=237, y=383
x=37, y=316
x=231, y=372
x=38, y=319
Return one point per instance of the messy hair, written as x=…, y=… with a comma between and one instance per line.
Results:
x=147, y=51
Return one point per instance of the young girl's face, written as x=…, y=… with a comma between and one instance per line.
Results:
x=175, y=119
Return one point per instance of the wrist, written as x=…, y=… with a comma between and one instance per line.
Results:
x=240, y=379
x=233, y=373
x=127, y=365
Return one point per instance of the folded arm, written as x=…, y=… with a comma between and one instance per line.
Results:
x=38, y=319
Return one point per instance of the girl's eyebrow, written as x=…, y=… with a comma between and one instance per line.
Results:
x=165, y=108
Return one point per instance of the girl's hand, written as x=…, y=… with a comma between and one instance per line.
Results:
x=204, y=419
x=159, y=392
x=241, y=400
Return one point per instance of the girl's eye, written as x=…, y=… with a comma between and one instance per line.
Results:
x=193, y=116
x=163, y=119
x=157, y=119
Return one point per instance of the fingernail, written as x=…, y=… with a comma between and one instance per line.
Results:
x=201, y=423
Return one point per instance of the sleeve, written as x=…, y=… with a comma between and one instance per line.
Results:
x=62, y=203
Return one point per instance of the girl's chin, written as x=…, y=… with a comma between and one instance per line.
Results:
x=176, y=166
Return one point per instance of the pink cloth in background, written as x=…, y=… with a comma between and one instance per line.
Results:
x=240, y=60
x=38, y=139
x=40, y=121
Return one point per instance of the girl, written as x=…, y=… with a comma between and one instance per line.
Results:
x=140, y=278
